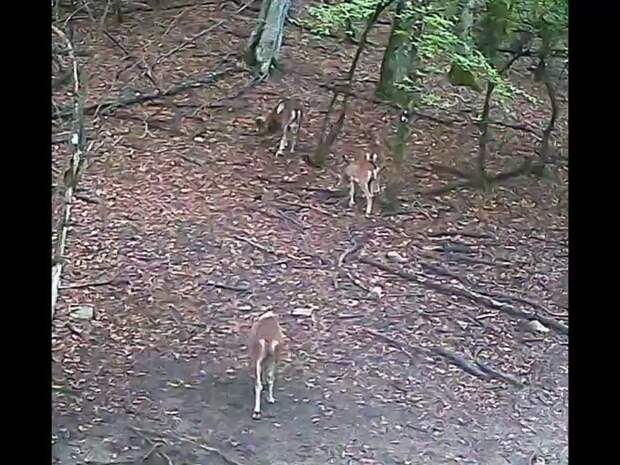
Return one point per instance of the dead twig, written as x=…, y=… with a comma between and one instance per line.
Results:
x=117, y=43
x=256, y=245
x=191, y=160
x=462, y=291
x=228, y=287
x=517, y=127
x=112, y=105
x=86, y=199
x=358, y=283
x=175, y=19
x=356, y=247
x=476, y=369
x=105, y=282
x=396, y=344
x=243, y=7
x=499, y=375
x=211, y=449
x=276, y=263
x=186, y=43
x=305, y=205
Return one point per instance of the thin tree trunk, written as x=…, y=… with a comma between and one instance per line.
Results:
x=483, y=141
x=543, y=152
x=327, y=139
x=484, y=120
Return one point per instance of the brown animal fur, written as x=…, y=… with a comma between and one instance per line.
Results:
x=364, y=173
x=286, y=117
x=266, y=348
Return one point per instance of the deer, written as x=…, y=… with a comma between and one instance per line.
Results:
x=266, y=346
x=286, y=116
x=364, y=173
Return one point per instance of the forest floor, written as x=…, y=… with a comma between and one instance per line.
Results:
x=186, y=227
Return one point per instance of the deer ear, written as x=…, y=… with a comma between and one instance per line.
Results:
x=374, y=157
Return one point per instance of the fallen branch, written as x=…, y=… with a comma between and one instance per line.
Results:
x=461, y=290
x=109, y=106
x=211, y=449
x=397, y=345
x=174, y=20
x=191, y=160
x=265, y=249
x=186, y=43
x=527, y=301
x=104, y=282
x=474, y=235
x=499, y=375
x=71, y=176
x=447, y=188
x=476, y=369
x=460, y=362
x=153, y=438
x=454, y=257
x=228, y=287
x=517, y=127
x=450, y=170
x=86, y=199
x=525, y=168
x=351, y=250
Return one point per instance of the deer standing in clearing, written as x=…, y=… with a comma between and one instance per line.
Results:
x=286, y=116
x=364, y=173
x=266, y=346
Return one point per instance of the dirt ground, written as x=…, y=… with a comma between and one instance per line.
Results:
x=188, y=227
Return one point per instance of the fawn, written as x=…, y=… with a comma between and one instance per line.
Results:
x=266, y=346
x=365, y=173
x=286, y=116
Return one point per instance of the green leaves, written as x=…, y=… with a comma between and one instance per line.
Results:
x=328, y=19
x=464, y=40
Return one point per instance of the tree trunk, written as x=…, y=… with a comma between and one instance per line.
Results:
x=466, y=17
x=483, y=124
x=327, y=139
x=400, y=58
x=543, y=151
x=483, y=141
x=265, y=41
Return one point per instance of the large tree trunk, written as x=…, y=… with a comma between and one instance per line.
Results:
x=399, y=59
x=265, y=41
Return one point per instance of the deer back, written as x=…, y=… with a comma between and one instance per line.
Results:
x=265, y=330
x=285, y=111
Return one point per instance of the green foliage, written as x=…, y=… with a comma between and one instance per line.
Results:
x=467, y=60
x=329, y=19
x=442, y=51
x=546, y=19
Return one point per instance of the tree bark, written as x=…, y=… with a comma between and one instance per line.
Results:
x=484, y=120
x=400, y=57
x=543, y=151
x=264, y=44
x=72, y=173
x=327, y=139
